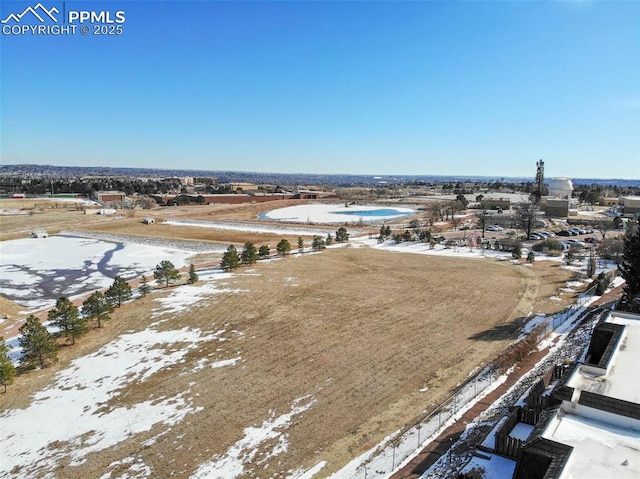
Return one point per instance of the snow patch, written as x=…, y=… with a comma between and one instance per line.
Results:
x=73, y=417
x=248, y=449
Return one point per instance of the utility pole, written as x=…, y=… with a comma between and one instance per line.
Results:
x=539, y=180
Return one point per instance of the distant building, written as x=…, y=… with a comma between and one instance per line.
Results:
x=109, y=196
x=239, y=198
x=205, y=180
x=489, y=203
x=608, y=201
x=555, y=207
x=629, y=205
x=241, y=187
x=560, y=187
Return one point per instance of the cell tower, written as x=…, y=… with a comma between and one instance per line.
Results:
x=539, y=180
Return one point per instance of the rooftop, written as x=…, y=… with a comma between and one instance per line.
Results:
x=599, y=449
x=619, y=360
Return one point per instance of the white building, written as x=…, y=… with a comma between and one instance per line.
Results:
x=595, y=433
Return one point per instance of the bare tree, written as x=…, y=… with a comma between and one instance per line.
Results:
x=482, y=219
x=527, y=213
x=604, y=227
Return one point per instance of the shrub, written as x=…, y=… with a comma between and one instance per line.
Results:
x=516, y=252
x=554, y=246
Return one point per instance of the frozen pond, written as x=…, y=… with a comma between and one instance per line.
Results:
x=36, y=272
x=337, y=213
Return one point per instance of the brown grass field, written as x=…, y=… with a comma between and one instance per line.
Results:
x=359, y=330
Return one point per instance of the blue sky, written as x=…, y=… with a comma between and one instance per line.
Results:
x=424, y=88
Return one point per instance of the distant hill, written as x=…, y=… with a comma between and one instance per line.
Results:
x=336, y=180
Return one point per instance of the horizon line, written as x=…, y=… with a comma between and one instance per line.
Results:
x=299, y=173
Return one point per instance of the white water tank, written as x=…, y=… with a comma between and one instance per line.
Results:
x=560, y=187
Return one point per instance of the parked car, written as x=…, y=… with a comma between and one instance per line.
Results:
x=494, y=228
x=535, y=236
x=546, y=234
x=574, y=242
x=577, y=231
x=563, y=233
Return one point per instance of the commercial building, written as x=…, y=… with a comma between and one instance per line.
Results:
x=629, y=205
x=109, y=196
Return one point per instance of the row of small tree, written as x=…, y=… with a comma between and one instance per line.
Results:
x=232, y=259
x=39, y=346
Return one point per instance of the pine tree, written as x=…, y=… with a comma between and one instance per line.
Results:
x=516, y=253
x=629, y=269
x=38, y=345
x=230, y=259
x=65, y=316
x=531, y=257
x=119, y=291
x=300, y=244
x=329, y=239
x=264, y=251
x=7, y=369
x=144, y=288
x=193, y=276
x=97, y=306
x=318, y=243
x=341, y=235
x=249, y=254
x=283, y=247
x=166, y=271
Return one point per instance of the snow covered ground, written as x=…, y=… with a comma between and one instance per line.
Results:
x=73, y=417
x=337, y=213
x=35, y=272
x=137, y=356
x=250, y=227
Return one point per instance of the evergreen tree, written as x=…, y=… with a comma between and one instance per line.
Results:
x=385, y=232
x=531, y=257
x=119, y=291
x=264, y=251
x=65, y=316
x=7, y=369
x=230, y=259
x=341, y=235
x=249, y=254
x=329, y=239
x=144, y=287
x=300, y=244
x=318, y=243
x=516, y=253
x=283, y=247
x=38, y=345
x=166, y=271
x=97, y=306
x=193, y=276
x=629, y=269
